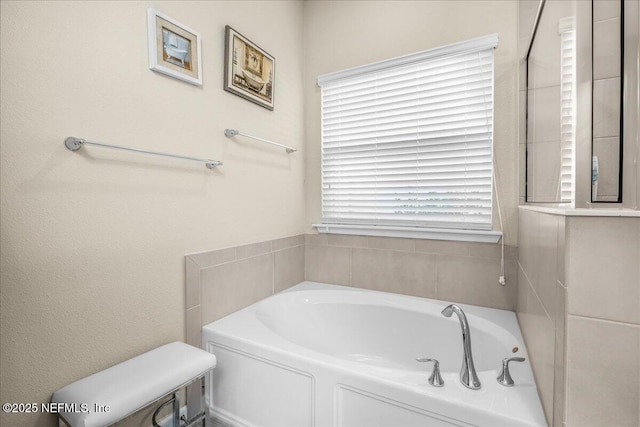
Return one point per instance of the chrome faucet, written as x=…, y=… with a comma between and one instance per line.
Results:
x=468, y=375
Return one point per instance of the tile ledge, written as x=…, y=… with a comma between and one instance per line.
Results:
x=480, y=236
x=608, y=212
x=207, y=251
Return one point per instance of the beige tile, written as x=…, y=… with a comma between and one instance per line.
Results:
x=560, y=267
x=211, y=258
x=605, y=9
x=229, y=287
x=522, y=79
x=547, y=108
x=603, y=268
x=392, y=271
x=544, y=175
x=488, y=250
x=530, y=115
x=539, y=334
x=523, y=306
x=511, y=276
x=287, y=242
x=522, y=109
x=511, y=251
x=316, y=239
x=442, y=247
x=542, y=355
x=192, y=283
x=288, y=267
x=608, y=152
x=544, y=278
x=510, y=232
x=328, y=264
x=521, y=303
x=603, y=387
x=606, y=49
x=347, y=240
x=194, y=327
x=527, y=240
x=527, y=10
x=606, y=108
x=247, y=251
x=472, y=281
x=544, y=61
x=391, y=243
x=523, y=44
x=559, y=358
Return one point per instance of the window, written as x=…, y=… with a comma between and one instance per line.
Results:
x=407, y=142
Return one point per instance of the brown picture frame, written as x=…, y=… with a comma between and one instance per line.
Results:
x=249, y=71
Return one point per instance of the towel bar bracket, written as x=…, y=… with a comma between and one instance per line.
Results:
x=74, y=144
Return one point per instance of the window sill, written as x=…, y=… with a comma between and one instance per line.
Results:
x=482, y=236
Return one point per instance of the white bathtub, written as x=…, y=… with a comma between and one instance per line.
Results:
x=326, y=355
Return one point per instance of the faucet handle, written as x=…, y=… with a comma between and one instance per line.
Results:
x=435, y=379
x=505, y=377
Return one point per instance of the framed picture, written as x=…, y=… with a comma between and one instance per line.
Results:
x=174, y=49
x=248, y=70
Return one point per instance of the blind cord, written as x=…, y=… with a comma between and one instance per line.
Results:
x=501, y=279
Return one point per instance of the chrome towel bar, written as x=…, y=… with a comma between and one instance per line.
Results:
x=74, y=144
x=233, y=132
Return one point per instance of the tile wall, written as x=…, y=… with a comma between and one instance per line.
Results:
x=541, y=304
x=544, y=96
x=578, y=305
x=606, y=96
x=603, y=322
x=226, y=280
x=464, y=272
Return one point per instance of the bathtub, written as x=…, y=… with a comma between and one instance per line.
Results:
x=174, y=52
x=327, y=355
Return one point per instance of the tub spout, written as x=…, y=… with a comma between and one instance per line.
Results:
x=468, y=375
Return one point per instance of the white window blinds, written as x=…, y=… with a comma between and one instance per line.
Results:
x=408, y=142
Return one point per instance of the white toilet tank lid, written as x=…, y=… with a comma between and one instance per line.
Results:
x=131, y=385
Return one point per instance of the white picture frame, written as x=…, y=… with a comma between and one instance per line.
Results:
x=174, y=48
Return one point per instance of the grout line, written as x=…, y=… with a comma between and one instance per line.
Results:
x=604, y=79
x=535, y=293
x=270, y=241
x=236, y=260
x=606, y=19
x=599, y=319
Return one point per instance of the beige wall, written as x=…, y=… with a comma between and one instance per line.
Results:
x=344, y=34
x=93, y=242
